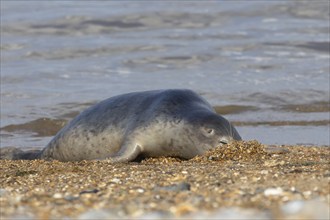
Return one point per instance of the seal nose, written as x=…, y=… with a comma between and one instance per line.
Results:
x=225, y=140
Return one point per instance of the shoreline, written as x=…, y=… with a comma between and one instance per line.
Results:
x=242, y=177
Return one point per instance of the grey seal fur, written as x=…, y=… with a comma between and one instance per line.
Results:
x=177, y=123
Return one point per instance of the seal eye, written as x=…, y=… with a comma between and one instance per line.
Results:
x=209, y=131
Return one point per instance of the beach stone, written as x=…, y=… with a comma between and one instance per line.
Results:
x=3, y=192
x=156, y=215
x=89, y=191
x=58, y=196
x=300, y=209
x=97, y=214
x=273, y=191
x=231, y=213
x=183, y=186
x=71, y=198
x=23, y=217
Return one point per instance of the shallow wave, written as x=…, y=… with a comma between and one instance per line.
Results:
x=282, y=123
x=41, y=127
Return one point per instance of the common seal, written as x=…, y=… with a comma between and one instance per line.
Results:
x=177, y=123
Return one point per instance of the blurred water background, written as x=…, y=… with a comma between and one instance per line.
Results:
x=264, y=65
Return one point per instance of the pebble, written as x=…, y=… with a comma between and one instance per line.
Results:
x=3, y=192
x=89, y=191
x=299, y=209
x=71, y=198
x=231, y=213
x=57, y=196
x=293, y=207
x=307, y=194
x=115, y=180
x=183, y=186
x=140, y=190
x=264, y=172
x=97, y=214
x=273, y=191
x=156, y=216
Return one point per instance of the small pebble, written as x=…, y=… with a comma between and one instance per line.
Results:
x=71, y=198
x=3, y=192
x=273, y=191
x=89, y=191
x=156, y=215
x=176, y=187
x=115, y=180
x=307, y=194
x=264, y=172
x=97, y=214
x=232, y=213
x=313, y=209
x=57, y=196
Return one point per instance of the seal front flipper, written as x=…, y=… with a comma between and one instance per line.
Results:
x=127, y=153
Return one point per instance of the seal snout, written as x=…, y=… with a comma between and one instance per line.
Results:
x=225, y=140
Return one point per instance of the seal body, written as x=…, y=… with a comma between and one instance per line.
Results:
x=177, y=123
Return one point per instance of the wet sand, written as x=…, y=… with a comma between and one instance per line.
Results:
x=241, y=181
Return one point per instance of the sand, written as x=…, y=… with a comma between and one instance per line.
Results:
x=241, y=180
